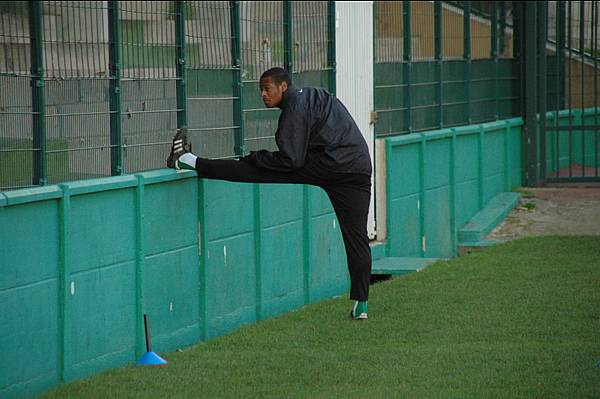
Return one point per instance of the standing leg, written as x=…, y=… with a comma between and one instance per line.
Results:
x=351, y=203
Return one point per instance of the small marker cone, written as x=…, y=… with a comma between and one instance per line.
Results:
x=150, y=358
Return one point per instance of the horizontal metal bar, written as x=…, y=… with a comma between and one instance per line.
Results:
x=574, y=179
x=20, y=149
x=391, y=110
x=206, y=129
x=79, y=114
x=571, y=128
x=146, y=144
x=79, y=149
x=19, y=113
x=152, y=111
x=261, y=109
x=212, y=98
x=391, y=86
x=258, y=138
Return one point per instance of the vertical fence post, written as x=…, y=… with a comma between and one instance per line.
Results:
x=530, y=100
x=308, y=242
x=495, y=55
x=180, y=83
x=582, y=103
x=438, y=59
x=561, y=15
x=63, y=277
x=518, y=55
x=140, y=256
x=541, y=75
x=502, y=43
x=467, y=55
x=258, y=261
x=236, y=59
x=287, y=36
x=38, y=97
x=331, y=63
x=114, y=96
x=407, y=62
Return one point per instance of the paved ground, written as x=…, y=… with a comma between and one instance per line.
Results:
x=552, y=211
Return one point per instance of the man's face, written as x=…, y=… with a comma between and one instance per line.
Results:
x=271, y=92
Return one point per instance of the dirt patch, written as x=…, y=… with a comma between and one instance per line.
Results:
x=552, y=211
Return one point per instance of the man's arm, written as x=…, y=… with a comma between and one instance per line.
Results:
x=292, y=137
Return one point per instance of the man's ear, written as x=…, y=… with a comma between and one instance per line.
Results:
x=284, y=86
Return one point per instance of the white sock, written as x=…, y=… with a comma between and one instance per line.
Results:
x=188, y=159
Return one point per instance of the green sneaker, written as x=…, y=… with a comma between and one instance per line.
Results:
x=360, y=310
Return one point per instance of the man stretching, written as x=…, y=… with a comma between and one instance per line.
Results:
x=319, y=144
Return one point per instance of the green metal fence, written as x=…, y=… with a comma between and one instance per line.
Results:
x=91, y=89
x=438, y=64
x=569, y=61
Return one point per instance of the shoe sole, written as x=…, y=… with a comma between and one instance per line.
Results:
x=362, y=316
x=179, y=147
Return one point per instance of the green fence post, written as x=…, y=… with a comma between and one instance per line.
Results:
x=438, y=59
x=467, y=55
x=331, y=63
x=507, y=165
x=258, y=250
x=542, y=17
x=560, y=55
x=38, y=95
x=407, y=63
x=238, y=87
x=422, y=193
x=114, y=93
x=517, y=53
x=502, y=44
x=452, y=204
x=494, y=54
x=140, y=256
x=307, y=234
x=582, y=78
x=480, y=161
x=531, y=91
x=63, y=277
x=180, y=83
x=287, y=36
x=203, y=258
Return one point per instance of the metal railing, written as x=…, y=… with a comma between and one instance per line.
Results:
x=442, y=64
x=92, y=89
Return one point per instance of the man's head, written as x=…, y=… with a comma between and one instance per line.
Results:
x=273, y=83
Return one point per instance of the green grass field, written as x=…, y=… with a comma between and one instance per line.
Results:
x=519, y=320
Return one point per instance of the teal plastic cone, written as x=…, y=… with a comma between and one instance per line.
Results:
x=151, y=359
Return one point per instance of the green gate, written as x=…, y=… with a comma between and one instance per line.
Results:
x=568, y=91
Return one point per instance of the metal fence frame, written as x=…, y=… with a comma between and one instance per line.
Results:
x=171, y=69
x=406, y=108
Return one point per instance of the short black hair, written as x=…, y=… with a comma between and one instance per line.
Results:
x=278, y=75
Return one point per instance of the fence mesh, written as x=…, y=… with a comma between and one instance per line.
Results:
x=97, y=108
x=212, y=123
x=16, y=138
x=416, y=93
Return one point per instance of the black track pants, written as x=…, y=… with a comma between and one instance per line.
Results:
x=349, y=194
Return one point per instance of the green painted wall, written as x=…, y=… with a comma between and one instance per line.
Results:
x=82, y=262
x=438, y=180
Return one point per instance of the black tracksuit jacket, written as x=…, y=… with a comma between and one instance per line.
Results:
x=315, y=133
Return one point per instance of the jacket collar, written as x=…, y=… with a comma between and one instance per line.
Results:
x=289, y=96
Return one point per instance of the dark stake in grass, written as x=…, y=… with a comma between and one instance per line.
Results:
x=520, y=320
